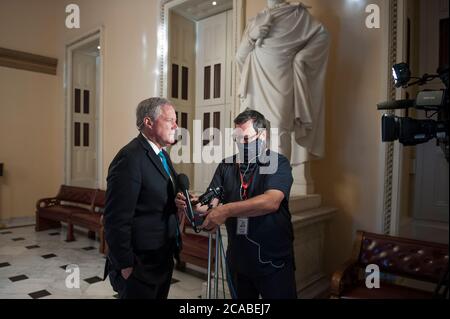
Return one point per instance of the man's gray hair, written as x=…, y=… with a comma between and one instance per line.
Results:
x=149, y=108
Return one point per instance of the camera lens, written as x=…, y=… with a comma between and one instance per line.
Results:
x=389, y=128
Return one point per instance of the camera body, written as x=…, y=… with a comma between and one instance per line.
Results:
x=409, y=131
x=206, y=199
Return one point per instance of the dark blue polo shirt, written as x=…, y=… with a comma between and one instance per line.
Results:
x=272, y=232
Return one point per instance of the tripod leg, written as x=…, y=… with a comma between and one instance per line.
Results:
x=208, y=283
x=216, y=268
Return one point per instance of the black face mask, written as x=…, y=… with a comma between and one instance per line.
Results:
x=249, y=152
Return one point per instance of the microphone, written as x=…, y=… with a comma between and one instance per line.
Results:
x=183, y=185
x=395, y=105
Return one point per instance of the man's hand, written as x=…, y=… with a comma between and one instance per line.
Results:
x=126, y=272
x=267, y=203
x=216, y=217
x=180, y=201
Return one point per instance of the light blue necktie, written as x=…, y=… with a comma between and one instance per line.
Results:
x=166, y=168
x=164, y=162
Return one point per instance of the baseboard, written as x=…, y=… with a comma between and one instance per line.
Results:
x=318, y=290
x=17, y=222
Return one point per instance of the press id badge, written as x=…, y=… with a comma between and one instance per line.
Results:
x=242, y=226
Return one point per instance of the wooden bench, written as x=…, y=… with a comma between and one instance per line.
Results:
x=50, y=212
x=75, y=206
x=396, y=258
x=92, y=220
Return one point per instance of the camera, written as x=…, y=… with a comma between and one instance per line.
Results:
x=206, y=199
x=409, y=131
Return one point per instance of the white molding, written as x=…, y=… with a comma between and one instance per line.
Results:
x=162, y=44
x=398, y=157
x=97, y=33
x=101, y=180
x=386, y=74
x=163, y=52
x=388, y=148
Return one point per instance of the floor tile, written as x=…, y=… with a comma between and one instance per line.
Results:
x=37, y=270
x=39, y=294
x=32, y=247
x=18, y=278
x=93, y=280
x=48, y=256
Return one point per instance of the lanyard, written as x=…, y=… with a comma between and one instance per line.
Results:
x=245, y=185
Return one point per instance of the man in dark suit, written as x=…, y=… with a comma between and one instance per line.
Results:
x=141, y=225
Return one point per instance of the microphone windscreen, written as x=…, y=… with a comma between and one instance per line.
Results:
x=183, y=182
x=397, y=104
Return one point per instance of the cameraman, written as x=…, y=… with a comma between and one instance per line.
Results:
x=256, y=214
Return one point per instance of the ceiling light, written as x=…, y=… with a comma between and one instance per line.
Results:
x=214, y=3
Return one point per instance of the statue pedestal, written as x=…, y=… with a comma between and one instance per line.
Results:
x=303, y=182
x=309, y=219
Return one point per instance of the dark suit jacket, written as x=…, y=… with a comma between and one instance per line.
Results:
x=140, y=211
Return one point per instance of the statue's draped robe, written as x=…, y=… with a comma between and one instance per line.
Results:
x=283, y=77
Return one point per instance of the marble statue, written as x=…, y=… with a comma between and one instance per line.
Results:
x=283, y=59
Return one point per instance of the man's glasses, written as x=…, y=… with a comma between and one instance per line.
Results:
x=241, y=138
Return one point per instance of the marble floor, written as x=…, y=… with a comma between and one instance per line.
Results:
x=33, y=265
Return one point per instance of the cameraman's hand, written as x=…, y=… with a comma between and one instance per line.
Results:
x=215, y=217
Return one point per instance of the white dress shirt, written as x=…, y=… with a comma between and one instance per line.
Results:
x=157, y=150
